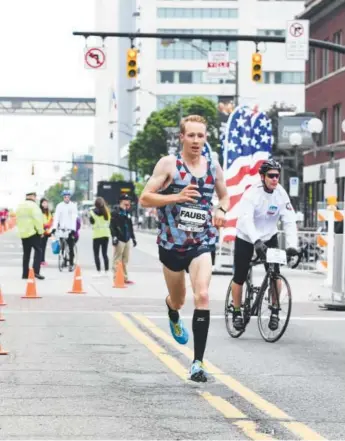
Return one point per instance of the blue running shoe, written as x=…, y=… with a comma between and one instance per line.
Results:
x=198, y=372
x=179, y=332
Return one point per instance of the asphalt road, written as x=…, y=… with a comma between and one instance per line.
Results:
x=103, y=365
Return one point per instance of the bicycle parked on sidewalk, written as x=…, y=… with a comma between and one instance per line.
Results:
x=64, y=254
x=256, y=297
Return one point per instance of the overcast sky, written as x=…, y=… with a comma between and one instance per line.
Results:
x=40, y=57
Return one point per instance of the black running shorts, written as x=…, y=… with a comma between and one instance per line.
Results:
x=180, y=260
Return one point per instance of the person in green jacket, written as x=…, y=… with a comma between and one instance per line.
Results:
x=30, y=229
x=100, y=222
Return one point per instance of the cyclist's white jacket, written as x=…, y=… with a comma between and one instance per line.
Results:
x=65, y=216
x=259, y=213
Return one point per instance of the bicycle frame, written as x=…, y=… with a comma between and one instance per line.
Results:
x=271, y=275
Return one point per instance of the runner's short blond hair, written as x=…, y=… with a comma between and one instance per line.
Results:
x=191, y=118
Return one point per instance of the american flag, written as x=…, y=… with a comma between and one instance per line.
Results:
x=248, y=143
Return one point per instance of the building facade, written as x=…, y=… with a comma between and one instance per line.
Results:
x=170, y=70
x=325, y=96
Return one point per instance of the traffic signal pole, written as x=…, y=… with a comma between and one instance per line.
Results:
x=210, y=37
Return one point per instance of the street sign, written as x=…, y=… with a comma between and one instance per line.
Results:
x=218, y=64
x=294, y=187
x=297, y=40
x=94, y=58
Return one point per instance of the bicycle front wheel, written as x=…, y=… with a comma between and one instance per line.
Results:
x=229, y=307
x=265, y=305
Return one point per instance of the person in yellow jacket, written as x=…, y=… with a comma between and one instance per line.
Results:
x=47, y=226
x=30, y=229
x=100, y=223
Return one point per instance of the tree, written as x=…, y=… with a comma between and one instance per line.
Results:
x=117, y=177
x=150, y=144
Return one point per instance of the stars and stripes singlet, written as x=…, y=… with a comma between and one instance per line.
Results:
x=185, y=226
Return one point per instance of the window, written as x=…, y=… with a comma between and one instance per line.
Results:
x=337, y=120
x=166, y=76
x=196, y=13
x=186, y=77
x=337, y=57
x=194, y=77
x=312, y=65
x=196, y=49
x=283, y=77
x=324, y=133
x=271, y=32
x=325, y=62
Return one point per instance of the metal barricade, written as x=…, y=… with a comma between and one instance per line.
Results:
x=337, y=286
x=313, y=247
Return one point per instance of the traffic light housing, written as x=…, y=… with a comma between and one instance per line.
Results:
x=132, y=63
x=257, y=67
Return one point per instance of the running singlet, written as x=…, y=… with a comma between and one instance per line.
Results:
x=185, y=226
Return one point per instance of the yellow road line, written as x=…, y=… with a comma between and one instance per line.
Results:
x=229, y=411
x=299, y=429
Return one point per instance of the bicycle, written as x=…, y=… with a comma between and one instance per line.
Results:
x=64, y=254
x=256, y=295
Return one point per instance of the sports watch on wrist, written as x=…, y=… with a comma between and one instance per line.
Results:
x=221, y=209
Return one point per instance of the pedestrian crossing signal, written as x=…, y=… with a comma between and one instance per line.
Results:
x=256, y=67
x=132, y=63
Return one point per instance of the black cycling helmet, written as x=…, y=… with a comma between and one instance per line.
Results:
x=270, y=164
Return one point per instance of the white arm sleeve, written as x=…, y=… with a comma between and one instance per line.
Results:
x=247, y=216
x=289, y=220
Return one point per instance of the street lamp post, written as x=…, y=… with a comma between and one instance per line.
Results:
x=296, y=140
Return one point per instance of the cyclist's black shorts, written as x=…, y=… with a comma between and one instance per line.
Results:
x=243, y=255
x=180, y=261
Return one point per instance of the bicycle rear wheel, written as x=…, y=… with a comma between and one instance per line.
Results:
x=285, y=306
x=229, y=307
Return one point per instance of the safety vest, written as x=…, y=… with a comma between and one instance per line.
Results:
x=47, y=223
x=101, y=227
x=29, y=219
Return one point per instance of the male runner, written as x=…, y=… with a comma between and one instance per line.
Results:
x=182, y=188
x=260, y=208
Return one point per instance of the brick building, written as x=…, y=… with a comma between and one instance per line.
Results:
x=325, y=95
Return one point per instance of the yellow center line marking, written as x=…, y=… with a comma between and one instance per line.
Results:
x=299, y=429
x=229, y=411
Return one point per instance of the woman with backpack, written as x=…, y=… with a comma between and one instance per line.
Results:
x=100, y=223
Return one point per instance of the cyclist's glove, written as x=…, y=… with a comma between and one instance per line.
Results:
x=291, y=251
x=260, y=249
x=115, y=241
x=134, y=242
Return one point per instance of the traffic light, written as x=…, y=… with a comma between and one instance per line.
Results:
x=75, y=169
x=32, y=169
x=132, y=63
x=256, y=67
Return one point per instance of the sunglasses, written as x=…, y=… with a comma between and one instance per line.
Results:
x=273, y=175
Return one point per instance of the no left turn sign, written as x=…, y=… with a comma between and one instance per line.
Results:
x=94, y=58
x=296, y=30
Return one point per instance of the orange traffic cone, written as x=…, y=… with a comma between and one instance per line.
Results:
x=77, y=282
x=2, y=301
x=2, y=352
x=119, y=277
x=31, y=287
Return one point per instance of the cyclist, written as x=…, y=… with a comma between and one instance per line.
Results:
x=260, y=208
x=65, y=218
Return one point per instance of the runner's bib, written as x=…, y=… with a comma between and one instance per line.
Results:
x=192, y=219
